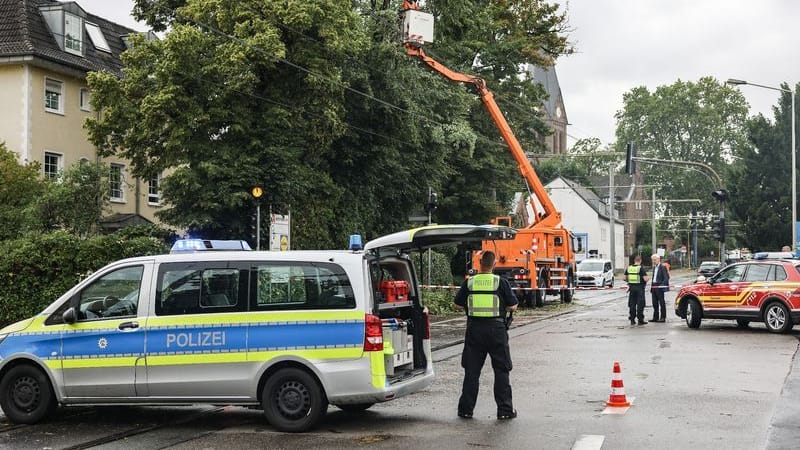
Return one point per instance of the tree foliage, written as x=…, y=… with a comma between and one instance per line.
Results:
x=317, y=101
x=20, y=187
x=760, y=185
x=701, y=121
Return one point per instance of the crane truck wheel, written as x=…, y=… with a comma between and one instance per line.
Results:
x=541, y=290
x=569, y=290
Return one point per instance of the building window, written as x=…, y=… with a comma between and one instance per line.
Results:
x=85, y=99
x=153, y=191
x=97, y=37
x=53, y=93
x=73, y=34
x=603, y=234
x=116, y=183
x=53, y=162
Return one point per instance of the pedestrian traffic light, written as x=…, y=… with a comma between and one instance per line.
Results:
x=630, y=162
x=719, y=230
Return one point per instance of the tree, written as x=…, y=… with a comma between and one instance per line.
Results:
x=685, y=121
x=760, y=197
x=75, y=202
x=317, y=102
x=20, y=186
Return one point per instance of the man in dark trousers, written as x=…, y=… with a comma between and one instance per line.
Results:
x=636, y=277
x=486, y=298
x=658, y=287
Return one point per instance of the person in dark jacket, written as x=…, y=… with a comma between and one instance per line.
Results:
x=486, y=298
x=658, y=287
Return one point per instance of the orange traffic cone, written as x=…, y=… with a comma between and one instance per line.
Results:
x=617, y=397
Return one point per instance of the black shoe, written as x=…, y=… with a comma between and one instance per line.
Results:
x=513, y=415
x=633, y=322
x=661, y=320
x=654, y=319
x=642, y=322
x=465, y=415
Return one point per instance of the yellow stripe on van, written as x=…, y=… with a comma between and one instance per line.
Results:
x=89, y=363
x=378, y=369
x=203, y=358
x=236, y=357
x=253, y=317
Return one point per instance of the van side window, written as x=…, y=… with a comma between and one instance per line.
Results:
x=115, y=294
x=287, y=286
x=198, y=290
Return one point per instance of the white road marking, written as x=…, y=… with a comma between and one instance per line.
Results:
x=589, y=442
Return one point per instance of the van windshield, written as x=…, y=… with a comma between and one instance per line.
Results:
x=590, y=266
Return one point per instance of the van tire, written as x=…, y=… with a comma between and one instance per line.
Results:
x=355, y=408
x=26, y=394
x=293, y=400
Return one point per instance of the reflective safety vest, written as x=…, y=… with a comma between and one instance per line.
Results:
x=483, y=299
x=632, y=275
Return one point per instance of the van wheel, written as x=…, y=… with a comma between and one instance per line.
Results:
x=694, y=314
x=777, y=318
x=355, y=407
x=293, y=400
x=26, y=395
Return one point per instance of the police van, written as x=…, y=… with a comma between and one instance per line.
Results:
x=290, y=332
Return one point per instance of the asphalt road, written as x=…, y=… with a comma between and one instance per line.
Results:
x=715, y=387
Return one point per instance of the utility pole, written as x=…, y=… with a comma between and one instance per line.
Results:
x=611, y=219
x=653, y=228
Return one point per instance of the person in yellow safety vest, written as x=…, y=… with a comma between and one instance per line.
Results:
x=486, y=298
x=636, y=277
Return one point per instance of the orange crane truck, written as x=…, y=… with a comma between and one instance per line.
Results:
x=540, y=260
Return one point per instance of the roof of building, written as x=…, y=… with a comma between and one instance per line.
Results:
x=588, y=196
x=547, y=77
x=24, y=33
x=624, y=186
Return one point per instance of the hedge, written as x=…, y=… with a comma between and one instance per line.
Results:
x=37, y=269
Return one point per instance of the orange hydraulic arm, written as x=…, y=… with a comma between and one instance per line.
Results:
x=550, y=217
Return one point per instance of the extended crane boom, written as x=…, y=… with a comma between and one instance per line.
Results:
x=550, y=216
x=540, y=259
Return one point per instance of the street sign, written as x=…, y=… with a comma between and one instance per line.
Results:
x=279, y=232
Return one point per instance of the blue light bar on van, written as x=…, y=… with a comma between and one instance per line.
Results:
x=355, y=242
x=202, y=245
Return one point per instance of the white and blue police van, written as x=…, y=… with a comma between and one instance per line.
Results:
x=290, y=332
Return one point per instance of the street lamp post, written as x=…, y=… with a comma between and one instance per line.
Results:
x=736, y=82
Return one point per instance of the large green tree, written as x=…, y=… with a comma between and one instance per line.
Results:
x=761, y=178
x=317, y=101
x=701, y=121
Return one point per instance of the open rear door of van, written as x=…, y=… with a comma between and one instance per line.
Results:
x=429, y=236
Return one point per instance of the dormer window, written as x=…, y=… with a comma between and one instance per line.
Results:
x=97, y=37
x=73, y=34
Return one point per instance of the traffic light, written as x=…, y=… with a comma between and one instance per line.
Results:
x=433, y=202
x=720, y=195
x=630, y=163
x=719, y=230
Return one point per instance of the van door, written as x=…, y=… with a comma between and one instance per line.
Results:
x=197, y=332
x=101, y=349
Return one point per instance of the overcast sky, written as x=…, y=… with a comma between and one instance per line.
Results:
x=622, y=44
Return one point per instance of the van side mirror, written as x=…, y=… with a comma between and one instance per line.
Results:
x=70, y=316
